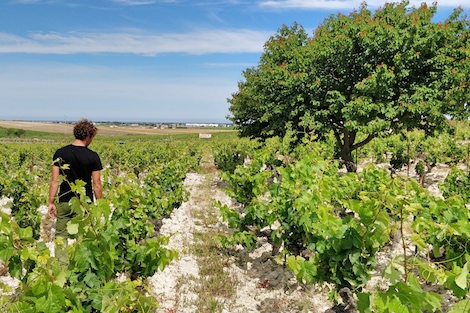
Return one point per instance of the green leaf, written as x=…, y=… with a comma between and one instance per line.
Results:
x=419, y=242
x=451, y=284
x=78, y=187
x=103, y=206
x=363, y=302
x=72, y=228
x=53, y=302
x=26, y=233
x=15, y=266
x=393, y=272
x=5, y=226
x=461, y=279
x=461, y=307
x=29, y=253
x=39, y=287
x=92, y=280
x=61, y=279
x=294, y=263
x=6, y=250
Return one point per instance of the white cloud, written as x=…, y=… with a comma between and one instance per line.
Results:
x=134, y=2
x=52, y=91
x=351, y=4
x=197, y=43
x=26, y=1
x=312, y=4
x=245, y=65
x=141, y=2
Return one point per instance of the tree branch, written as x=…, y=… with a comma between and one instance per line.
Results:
x=347, y=137
x=364, y=142
x=336, y=131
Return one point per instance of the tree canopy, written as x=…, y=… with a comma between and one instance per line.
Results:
x=359, y=76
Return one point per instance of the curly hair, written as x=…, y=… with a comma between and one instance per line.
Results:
x=84, y=128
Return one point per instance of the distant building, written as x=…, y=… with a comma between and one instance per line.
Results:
x=201, y=125
x=203, y=135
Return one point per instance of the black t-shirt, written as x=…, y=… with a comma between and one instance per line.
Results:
x=82, y=162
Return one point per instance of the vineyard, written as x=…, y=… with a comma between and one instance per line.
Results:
x=326, y=226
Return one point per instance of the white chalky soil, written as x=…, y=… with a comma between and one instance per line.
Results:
x=264, y=285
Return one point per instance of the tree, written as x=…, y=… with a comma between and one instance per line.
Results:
x=359, y=76
x=15, y=132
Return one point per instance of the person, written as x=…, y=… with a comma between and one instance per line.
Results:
x=75, y=162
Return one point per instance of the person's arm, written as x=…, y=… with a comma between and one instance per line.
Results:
x=97, y=186
x=53, y=188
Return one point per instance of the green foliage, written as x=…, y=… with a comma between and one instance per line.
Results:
x=248, y=181
x=399, y=159
x=87, y=283
x=21, y=134
x=17, y=178
x=462, y=130
x=228, y=158
x=377, y=149
x=461, y=307
x=419, y=168
x=442, y=149
x=441, y=224
x=112, y=236
x=360, y=76
x=310, y=202
x=400, y=297
x=332, y=226
x=456, y=183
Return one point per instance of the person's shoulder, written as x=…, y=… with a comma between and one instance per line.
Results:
x=64, y=148
x=93, y=152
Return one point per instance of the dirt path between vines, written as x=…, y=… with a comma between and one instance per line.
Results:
x=241, y=280
x=207, y=278
x=238, y=281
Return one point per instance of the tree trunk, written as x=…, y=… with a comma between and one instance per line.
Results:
x=346, y=156
x=345, y=139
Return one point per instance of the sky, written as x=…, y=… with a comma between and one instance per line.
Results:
x=143, y=60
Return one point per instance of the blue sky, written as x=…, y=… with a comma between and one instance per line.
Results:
x=142, y=60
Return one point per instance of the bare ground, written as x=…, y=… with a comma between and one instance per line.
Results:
x=106, y=129
x=256, y=281
x=259, y=282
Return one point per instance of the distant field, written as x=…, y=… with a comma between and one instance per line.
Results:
x=105, y=129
